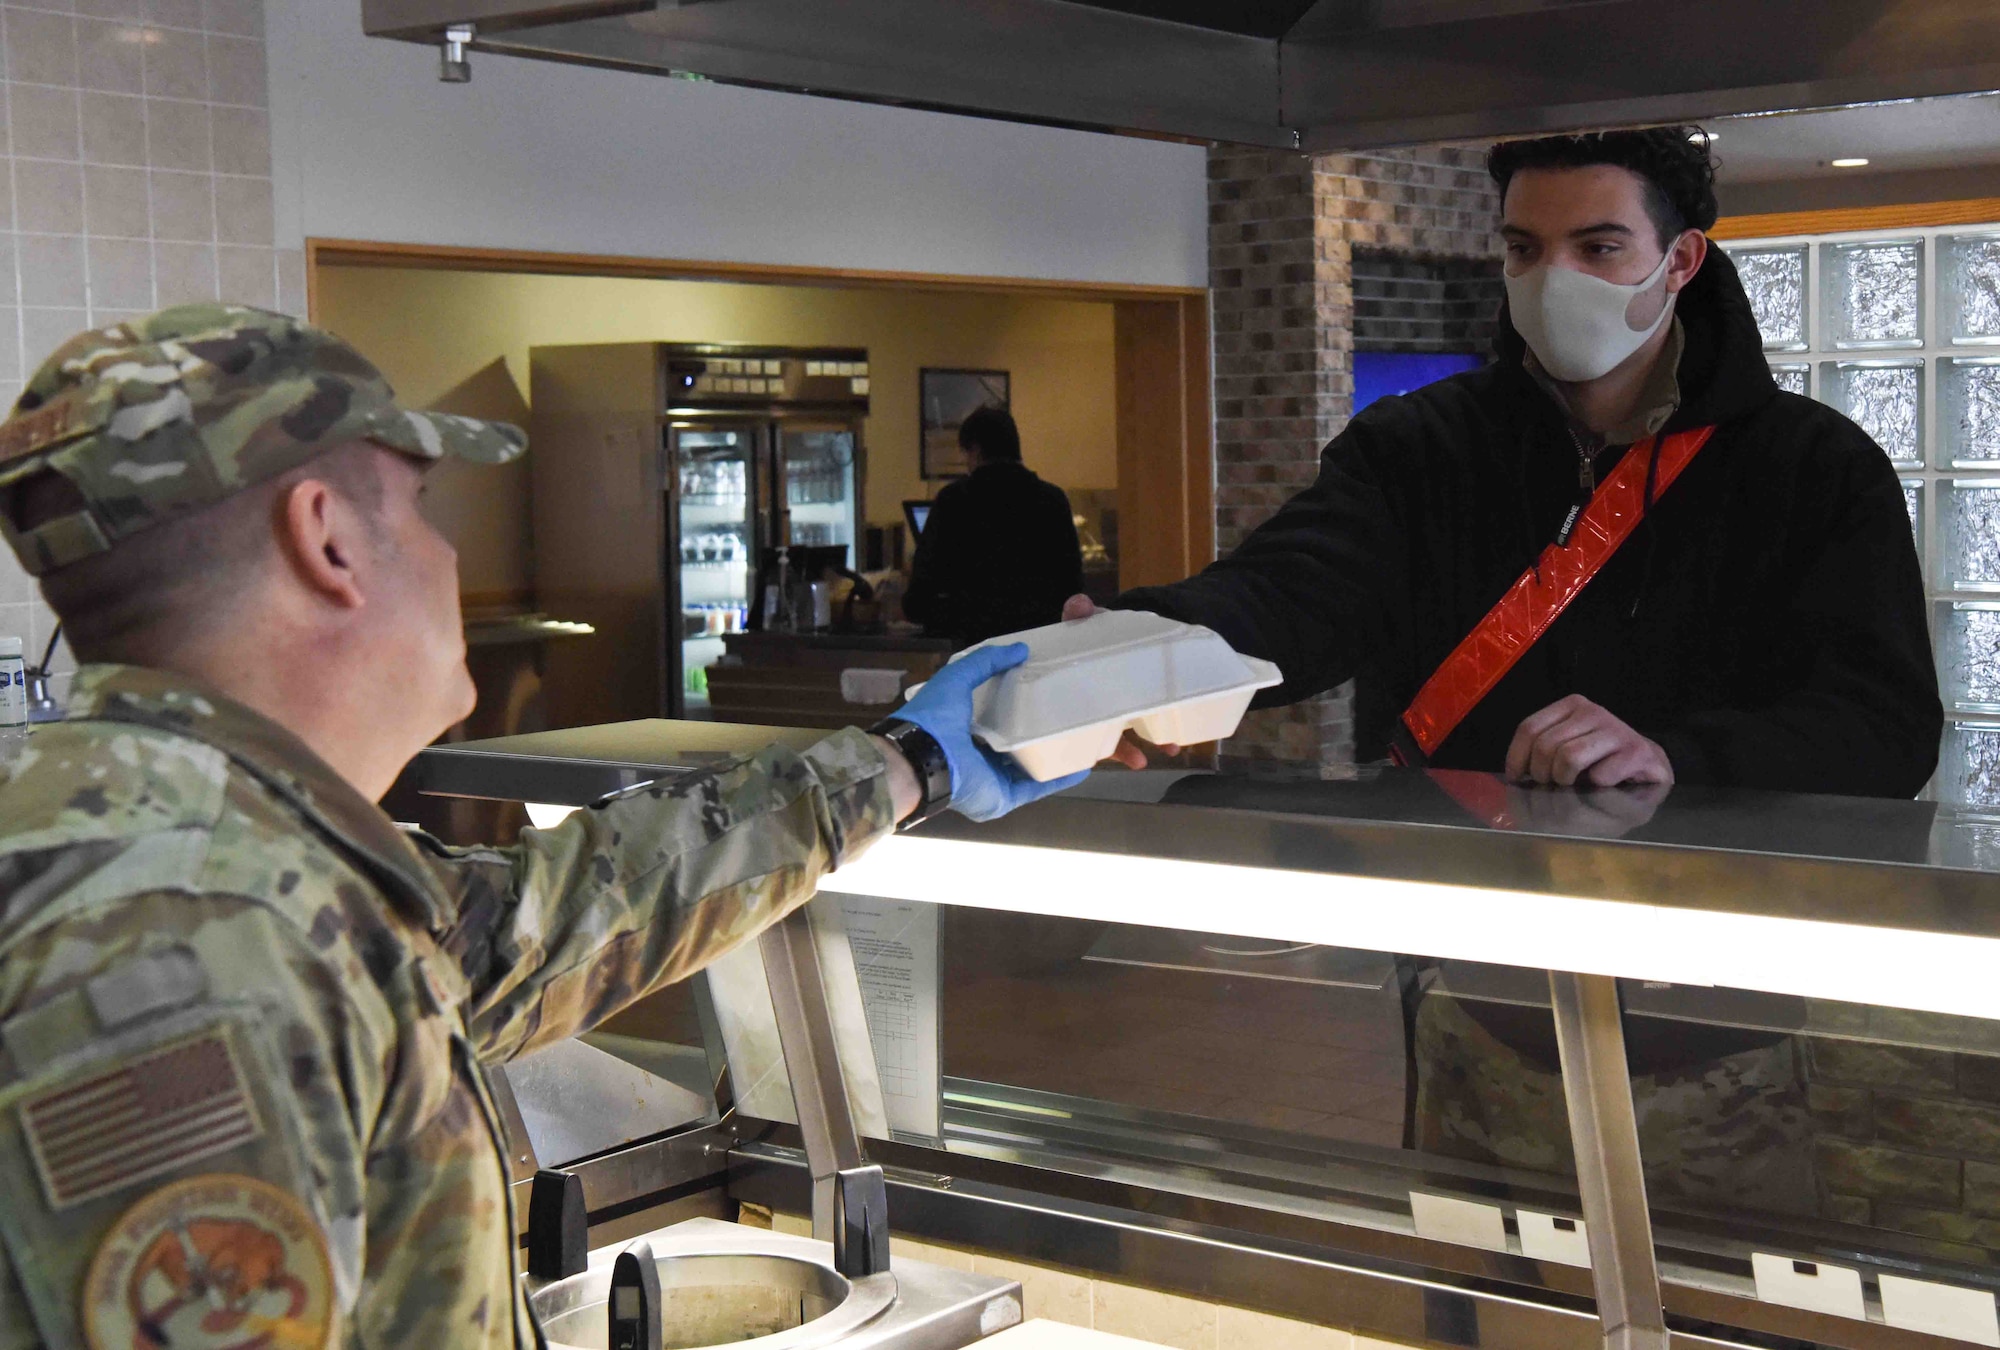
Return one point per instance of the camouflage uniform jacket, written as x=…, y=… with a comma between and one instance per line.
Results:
x=177, y=871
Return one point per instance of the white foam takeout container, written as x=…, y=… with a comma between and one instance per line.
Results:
x=1088, y=681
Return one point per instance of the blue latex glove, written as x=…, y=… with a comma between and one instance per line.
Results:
x=985, y=785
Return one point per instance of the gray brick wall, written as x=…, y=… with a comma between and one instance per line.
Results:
x=1410, y=303
x=1283, y=236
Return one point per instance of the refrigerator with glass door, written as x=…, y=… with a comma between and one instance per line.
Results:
x=711, y=549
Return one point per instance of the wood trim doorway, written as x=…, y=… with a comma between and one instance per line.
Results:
x=1166, y=439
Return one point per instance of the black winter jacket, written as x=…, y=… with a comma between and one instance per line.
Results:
x=1764, y=624
x=999, y=553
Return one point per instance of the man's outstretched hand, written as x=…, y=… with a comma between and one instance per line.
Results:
x=1575, y=741
x=1131, y=751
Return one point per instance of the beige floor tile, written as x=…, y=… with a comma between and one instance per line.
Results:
x=1370, y=1343
x=1147, y=1315
x=1052, y=1295
x=1241, y=1329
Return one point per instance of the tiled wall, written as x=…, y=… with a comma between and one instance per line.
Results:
x=1282, y=233
x=1056, y=1295
x=137, y=175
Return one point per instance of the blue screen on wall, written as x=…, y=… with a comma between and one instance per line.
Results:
x=1380, y=374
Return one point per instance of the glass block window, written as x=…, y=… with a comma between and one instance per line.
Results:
x=1971, y=542
x=1776, y=281
x=1969, y=287
x=1886, y=398
x=1969, y=769
x=1969, y=410
x=1793, y=378
x=1874, y=294
x=1902, y=333
x=1969, y=655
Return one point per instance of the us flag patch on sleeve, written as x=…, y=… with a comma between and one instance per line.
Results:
x=153, y=1114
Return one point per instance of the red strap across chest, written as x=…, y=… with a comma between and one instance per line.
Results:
x=1520, y=617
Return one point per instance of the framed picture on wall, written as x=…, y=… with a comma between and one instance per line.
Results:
x=944, y=397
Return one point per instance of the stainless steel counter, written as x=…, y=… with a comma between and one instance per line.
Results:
x=1197, y=1185
x=1894, y=864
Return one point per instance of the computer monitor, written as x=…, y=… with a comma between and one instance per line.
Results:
x=916, y=513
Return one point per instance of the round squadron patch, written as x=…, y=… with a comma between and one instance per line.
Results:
x=211, y=1263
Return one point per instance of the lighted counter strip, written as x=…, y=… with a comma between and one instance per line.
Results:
x=1860, y=909
x=1364, y=888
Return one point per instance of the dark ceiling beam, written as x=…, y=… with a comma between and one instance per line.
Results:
x=424, y=20
x=1031, y=60
x=1351, y=74
x=1631, y=62
x=1329, y=18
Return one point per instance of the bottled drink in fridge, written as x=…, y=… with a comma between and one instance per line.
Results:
x=13, y=698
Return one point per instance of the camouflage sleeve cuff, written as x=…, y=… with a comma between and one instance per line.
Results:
x=855, y=776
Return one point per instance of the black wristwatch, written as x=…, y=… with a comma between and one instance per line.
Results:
x=926, y=759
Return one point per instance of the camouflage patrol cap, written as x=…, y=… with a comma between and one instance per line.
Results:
x=158, y=416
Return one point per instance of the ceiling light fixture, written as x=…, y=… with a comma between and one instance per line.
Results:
x=1853, y=163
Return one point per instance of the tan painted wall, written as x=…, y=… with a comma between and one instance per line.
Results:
x=459, y=341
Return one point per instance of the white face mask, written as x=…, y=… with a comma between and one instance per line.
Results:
x=1580, y=326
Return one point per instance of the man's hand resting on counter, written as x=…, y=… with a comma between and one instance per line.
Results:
x=1131, y=752
x=1575, y=741
x=984, y=783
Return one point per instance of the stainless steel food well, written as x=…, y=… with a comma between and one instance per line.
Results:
x=728, y=1285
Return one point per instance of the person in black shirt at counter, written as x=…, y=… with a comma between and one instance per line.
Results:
x=999, y=552
x=1748, y=612
x=1762, y=626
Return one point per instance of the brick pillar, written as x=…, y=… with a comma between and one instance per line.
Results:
x=1281, y=233
x=1282, y=311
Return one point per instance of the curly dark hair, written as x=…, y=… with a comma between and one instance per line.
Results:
x=1676, y=163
